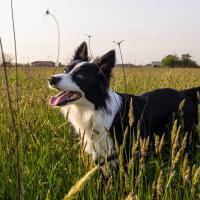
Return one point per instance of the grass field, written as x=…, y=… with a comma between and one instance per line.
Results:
x=51, y=160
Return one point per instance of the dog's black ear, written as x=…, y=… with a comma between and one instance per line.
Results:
x=106, y=63
x=82, y=52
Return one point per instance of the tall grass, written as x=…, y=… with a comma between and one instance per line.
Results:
x=53, y=160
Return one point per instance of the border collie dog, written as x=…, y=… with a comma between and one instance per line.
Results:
x=98, y=113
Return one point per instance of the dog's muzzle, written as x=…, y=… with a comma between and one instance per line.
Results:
x=53, y=80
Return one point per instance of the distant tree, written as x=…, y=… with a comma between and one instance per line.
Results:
x=175, y=61
x=186, y=61
x=170, y=61
x=186, y=56
x=8, y=59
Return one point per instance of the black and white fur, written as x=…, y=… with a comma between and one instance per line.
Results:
x=96, y=111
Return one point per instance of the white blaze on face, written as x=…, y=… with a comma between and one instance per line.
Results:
x=66, y=83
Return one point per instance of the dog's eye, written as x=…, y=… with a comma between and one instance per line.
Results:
x=80, y=76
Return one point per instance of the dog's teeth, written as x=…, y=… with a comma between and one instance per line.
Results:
x=73, y=96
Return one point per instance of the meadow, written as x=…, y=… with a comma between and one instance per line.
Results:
x=51, y=160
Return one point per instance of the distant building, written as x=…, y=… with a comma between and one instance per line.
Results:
x=148, y=65
x=156, y=63
x=43, y=64
x=125, y=65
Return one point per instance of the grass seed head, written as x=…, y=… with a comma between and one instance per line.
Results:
x=80, y=184
x=196, y=181
x=131, y=196
x=181, y=105
x=175, y=144
x=159, y=185
x=157, y=142
x=131, y=118
x=116, y=143
x=174, y=131
x=161, y=144
x=177, y=158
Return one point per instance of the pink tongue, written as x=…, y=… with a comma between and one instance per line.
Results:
x=56, y=100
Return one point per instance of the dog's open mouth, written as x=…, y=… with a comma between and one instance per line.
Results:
x=64, y=97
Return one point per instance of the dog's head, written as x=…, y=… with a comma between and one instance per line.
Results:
x=82, y=81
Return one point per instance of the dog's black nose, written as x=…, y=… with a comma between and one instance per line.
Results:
x=54, y=80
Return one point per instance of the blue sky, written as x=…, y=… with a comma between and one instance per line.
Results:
x=151, y=28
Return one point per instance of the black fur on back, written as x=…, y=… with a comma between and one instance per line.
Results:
x=154, y=110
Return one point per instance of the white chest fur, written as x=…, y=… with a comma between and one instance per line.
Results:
x=92, y=125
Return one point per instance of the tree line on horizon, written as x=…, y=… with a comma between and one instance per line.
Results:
x=174, y=61
x=171, y=60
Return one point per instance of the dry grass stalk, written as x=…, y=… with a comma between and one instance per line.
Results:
x=175, y=144
x=170, y=180
x=134, y=149
x=121, y=157
x=116, y=143
x=184, y=142
x=121, y=154
x=131, y=118
x=13, y=117
x=108, y=186
x=161, y=145
x=185, y=164
x=127, y=186
x=157, y=144
x=196, y=181
x=159, y=185
x=80, y=183
x=185, y=171
x=178, y=156
x=176, y=159
x=181, y=105
x=124, y=139
x=131, y=196
x=138, y=132
x=173, y=132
